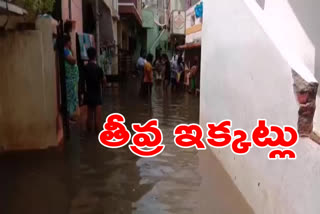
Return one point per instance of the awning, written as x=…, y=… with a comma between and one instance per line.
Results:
x=189, y=46
x=130, y=9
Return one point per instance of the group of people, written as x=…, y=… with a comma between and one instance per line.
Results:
x=173, y=74
x=192, y=76
x=83, y=88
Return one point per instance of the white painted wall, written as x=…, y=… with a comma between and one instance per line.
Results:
x=297, y=24
x=245, y=77
x=307, y=12
x=287, y=27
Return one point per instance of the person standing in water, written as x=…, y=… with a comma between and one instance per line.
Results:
x=140, y=65
x=167, y=70
x=158, y=69
x=72, y=78
x=176, y=72
x=148, y=75
x=180, y=73
x=94, y=79
x=194, y=74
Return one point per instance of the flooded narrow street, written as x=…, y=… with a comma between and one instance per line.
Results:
x=88, y=178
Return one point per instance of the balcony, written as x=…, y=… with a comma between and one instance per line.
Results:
x=113, y=6
x=131, y=8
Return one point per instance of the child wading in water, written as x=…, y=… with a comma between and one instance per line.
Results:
x=93, y=81
x=148, y=76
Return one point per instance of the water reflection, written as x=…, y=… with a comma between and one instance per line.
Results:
x=88, y=178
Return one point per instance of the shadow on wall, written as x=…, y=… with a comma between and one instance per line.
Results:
x=307, y=13
x=261, y=3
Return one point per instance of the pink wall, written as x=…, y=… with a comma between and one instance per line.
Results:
x=76, y=6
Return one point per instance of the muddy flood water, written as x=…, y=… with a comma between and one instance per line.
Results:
x=87, y=178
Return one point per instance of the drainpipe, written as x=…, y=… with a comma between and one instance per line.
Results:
x=70, y=9
x=98, y=31
x=157, y=40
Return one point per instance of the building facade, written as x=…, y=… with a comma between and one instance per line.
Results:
x=192, y=46
x=193, y=25
x=177, y=18
x=131, y=34
x=155, y=21
x=108, y=33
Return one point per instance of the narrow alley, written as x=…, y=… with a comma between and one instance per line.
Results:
x=89, y=178
x=234, y=81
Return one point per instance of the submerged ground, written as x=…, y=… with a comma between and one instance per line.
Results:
x=88, y=178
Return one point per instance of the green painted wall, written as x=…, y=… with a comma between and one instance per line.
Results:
x=141, y=43
x=147, y=18
x=152, y=35
x=153, y=32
